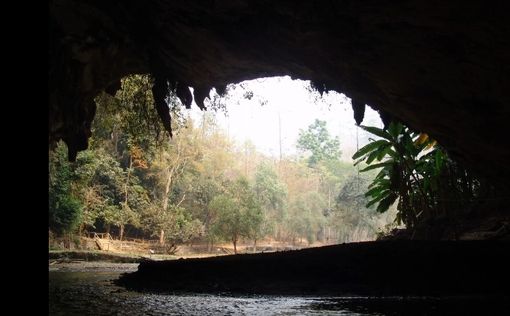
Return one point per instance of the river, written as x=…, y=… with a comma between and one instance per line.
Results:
x=89, y=290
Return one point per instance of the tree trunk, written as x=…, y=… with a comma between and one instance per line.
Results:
x=162, y=237
x=126, y=187
x=121, y=233
x=255, y=245
x=127, y=179
x=108, y=228
x=115, y=139
x=234, y=241
x=67, y=241
x=329, y=199
x=165, y=200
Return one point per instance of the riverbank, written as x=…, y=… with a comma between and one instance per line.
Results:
x=67, y=256
x=95, y=266
x=87, y=255
x=89, y=261
x=383, y=268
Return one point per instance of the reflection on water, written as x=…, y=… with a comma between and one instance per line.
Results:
x=92, y=293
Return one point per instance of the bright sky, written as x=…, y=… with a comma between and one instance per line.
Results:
x=296, y=107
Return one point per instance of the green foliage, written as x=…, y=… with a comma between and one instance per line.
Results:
x=352, y=193
x=190, y=186
x=414, y=170
x=64, y=207
x=398, y=176
x=317, y=141
x=306, y=215
x=229, y=224
x=271, y=193
x=132, y=110
x=238, y=213
x=351, y=213
x=177, y=222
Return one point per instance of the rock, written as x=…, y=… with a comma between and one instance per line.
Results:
x=441, y=67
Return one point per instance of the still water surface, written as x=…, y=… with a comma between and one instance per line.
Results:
x=93, y=293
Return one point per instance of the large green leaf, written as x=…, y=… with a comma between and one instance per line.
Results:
x=381, y=196
x=395, y=129
x=357, y=162
x=377, y=131
x=380, y=181
x=369, y=148
x=383, y=152
x=439, y=161
x=377, y=191
x=392, y=153
x=383, y=173
x=372, y=157
x=385, y=203
x=377, y=165
x=410, y=148
x=374, y=191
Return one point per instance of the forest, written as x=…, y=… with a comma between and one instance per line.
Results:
x=200, y=186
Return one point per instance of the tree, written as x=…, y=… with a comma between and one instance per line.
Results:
x=108, y=192
x=88, y=191
x=418, y=172
x=228, y=224
x=64, y=207
x=176, y=222
x=251, y=213
x=171, y=164
x=271, y=193
x=351, y=218
x=324, y=159
x=306, y=216
x=130, y=127
x=317, y=141
x=238, y=213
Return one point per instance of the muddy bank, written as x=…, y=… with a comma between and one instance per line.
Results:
x=383, y=268
x=94, y=266
x=68, y=256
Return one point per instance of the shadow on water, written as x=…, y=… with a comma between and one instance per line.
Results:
x=93, y=293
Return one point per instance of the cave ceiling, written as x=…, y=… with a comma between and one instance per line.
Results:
x=441, y=67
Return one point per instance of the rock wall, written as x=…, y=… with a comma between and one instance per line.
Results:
x=442, y=67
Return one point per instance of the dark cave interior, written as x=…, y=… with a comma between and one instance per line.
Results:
x=440, y=67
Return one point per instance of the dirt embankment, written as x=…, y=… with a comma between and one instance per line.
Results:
x=69, y=256
x=369, y=268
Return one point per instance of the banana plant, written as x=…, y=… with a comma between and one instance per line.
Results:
x=399, y=153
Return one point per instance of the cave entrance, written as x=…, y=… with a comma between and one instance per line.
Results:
x=268, y=167
x=270, y=157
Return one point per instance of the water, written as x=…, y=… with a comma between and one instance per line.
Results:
x=93, y=293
